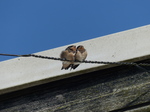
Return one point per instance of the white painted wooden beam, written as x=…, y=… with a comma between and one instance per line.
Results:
x=130, y=45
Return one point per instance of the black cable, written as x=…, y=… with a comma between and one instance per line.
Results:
x=86, y=61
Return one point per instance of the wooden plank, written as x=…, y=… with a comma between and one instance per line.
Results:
x=130, y=45
x=120, y=88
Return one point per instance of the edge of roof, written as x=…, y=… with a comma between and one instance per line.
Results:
x=130, y=45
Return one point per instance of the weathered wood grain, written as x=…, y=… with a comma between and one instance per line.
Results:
x=125, y=87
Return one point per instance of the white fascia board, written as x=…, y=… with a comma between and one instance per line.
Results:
x=25, y=72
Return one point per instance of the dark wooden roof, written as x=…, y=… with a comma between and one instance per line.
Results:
x=115, y=89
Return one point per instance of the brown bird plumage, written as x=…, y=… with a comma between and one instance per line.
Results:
x=68, y=54
x=80, y=55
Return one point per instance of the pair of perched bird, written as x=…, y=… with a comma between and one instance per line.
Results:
x=72, y=54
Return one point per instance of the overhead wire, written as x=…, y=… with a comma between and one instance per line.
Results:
x=85, y=61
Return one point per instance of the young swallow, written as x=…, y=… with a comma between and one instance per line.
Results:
x=68, y=54
x=80, y=55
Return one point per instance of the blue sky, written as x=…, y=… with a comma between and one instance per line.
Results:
x=29, y=26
